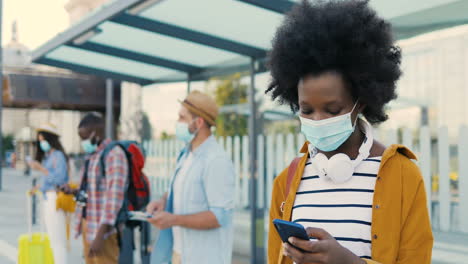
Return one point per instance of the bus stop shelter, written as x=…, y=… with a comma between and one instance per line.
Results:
x=160, y=41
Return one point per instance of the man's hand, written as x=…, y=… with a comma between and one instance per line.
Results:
x=96, y=247
x=98, y=244
x=156, y=206
x=163, y=220
x=326, y=250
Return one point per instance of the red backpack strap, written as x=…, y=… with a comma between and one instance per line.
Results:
x=291, y=171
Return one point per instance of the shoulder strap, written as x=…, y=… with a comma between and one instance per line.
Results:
x=291, y=171
x=84, y=179
x=105, y=152
x=107, y=149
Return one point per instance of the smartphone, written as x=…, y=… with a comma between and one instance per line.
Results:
x=139, y=216
x=288, y=229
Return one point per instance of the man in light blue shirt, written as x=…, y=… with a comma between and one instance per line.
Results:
x=195, y=215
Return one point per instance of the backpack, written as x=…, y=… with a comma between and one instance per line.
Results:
x=138, y=192
x=291, y=171
x=137, y=196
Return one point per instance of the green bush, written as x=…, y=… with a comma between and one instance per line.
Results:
x=8, y=144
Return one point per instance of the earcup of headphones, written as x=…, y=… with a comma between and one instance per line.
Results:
x=320, y=162
x=340, y=168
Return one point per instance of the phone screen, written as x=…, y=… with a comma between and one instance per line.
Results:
x=289, y=229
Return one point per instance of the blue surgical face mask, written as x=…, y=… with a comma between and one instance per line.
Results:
x=88, y=146
x=44, y=145
x=328, y=134
x=183, y=132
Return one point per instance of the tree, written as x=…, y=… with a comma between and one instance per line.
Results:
x=230, y=91
x=8, y=144
x=165, y=135
x=283, y=127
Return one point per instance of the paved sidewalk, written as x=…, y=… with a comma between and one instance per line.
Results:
x=13, y=221
x=448, y=248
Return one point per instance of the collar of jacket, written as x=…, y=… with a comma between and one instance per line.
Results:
x=388, y=154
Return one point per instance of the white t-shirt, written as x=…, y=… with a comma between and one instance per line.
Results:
x=177, y=202
x=343, y=210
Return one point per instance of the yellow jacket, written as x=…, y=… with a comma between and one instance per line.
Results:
x=401, y=230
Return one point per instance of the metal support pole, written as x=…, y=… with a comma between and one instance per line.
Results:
x=424, y=116
x=1, y=97
x=189, y=82
x=34, y=203
x=109, y=109
x=256, y=218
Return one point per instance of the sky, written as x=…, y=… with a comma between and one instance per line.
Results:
x=161, y=103
x=38, y=20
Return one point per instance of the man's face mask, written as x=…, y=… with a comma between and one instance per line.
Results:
x=183, y=132
x=88, y=146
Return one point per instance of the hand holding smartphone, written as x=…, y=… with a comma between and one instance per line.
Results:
x=288, y=229
x=139, y=216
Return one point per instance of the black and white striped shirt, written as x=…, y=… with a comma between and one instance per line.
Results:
x=343, y=210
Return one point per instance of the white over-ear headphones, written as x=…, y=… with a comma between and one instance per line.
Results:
x=340, y=168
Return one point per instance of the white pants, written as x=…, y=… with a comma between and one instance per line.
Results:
x=56, y=229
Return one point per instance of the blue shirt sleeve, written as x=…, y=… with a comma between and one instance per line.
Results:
x=57, y=167
x=219, y=183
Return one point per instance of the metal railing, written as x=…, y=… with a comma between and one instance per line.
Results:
x=447, y=204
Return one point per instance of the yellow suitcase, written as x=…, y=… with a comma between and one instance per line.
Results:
x=34, y=248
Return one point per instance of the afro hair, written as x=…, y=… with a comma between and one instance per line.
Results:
x=343, y=36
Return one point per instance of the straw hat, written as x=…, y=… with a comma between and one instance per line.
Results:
x=202, y=105
x=49, y=128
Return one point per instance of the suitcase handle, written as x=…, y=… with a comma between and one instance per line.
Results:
x=29, y=196
x=28, y=212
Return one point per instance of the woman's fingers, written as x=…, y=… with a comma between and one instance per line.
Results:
x=301, y=257
x=318, y=233
x=307, y=245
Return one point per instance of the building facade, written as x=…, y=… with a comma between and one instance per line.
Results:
x=435, y=77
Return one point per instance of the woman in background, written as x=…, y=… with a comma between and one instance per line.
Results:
x=51, y=162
